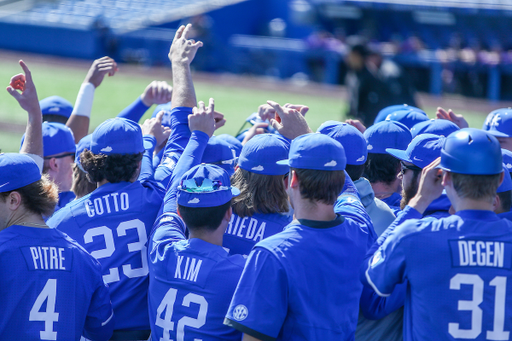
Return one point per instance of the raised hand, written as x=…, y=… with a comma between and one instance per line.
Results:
x=98, y=70
x=202, y=118
x=357, y=124
x=430, y=187
x=449, y=115
x=258, y=128
x=157, y=92
x=27, y=98
x=183, y=50
x=289, y=122
x=154, y=127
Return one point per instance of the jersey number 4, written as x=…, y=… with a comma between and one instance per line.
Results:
x=48, y=294
x=167, y=304
x=110, y=247
x=498, y=333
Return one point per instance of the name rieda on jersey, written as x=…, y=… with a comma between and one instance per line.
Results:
x=113, y=202
x=481, y=253
x=253, y=231
x=190, y=268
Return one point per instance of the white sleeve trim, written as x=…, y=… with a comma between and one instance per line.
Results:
x=84, y=99
x=39, y=160
x=371, y=283
x=108, y=320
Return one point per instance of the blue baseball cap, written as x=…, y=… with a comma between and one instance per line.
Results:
x=471, y=151
x=260, y=154
x=219, y=152
x=57, y=139
x=488, y=120
x=316, y=151
x=166, y=108
x=234, y=143
x=205, y=186
x=117, y=136
x=384, y=113
x=351, y=139
x=84, y=143
x=507, y=158
x=408, y=117
x=422, y=150
x=55, y=105
x=387, y=134
x=506, y=185
x=501, y=123
x=434, y=126
x=16, y=171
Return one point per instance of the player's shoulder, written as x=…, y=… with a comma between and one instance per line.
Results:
x=425, y=226
x=281, y=242
x=238, y=261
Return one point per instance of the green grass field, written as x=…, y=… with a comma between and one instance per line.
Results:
x=117, y=92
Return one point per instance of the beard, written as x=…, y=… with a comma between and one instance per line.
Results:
x=408, y=192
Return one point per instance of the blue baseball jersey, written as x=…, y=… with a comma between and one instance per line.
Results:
x=113, y=223
x=243, y=233
x=50, y=288
x=64, y=199
x=458, y=272
x=191, y=285
x=303, y=283
x=393, y=202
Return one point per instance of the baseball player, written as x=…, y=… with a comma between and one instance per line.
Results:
x=435, y=126
x=261, y=209
x=192, y=280
x=457, y=269
x=501, y=127
x=50, y=288
x=320, y=248
x=114, y=221
x=382, y=169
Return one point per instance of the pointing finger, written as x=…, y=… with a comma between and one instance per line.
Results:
x=24, y=66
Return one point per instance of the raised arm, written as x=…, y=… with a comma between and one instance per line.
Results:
x=78, y=122
x=27, y=99
x=183, y=51
x=157, y=92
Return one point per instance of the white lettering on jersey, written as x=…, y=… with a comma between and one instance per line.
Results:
x=237, y=225
x=113, y=202
x=480, y=253
x=191, y=270
x=47, y=257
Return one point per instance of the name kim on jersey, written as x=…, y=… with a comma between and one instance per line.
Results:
x=481, y=253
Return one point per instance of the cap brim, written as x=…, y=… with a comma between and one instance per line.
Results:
x=284, y=162
x=497, y=133
x=235, y=191
x=399, y=154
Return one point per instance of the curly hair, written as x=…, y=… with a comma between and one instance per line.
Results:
x=259, y=193
x=114, y=168
x=39, y=197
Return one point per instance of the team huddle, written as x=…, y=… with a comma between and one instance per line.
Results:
x=164, y=231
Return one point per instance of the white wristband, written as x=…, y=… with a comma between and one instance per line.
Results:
x=83, y=105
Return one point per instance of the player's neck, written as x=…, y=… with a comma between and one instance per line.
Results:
x=469, y=204
x=212, y=237
x=27, y=218
x=304, y=209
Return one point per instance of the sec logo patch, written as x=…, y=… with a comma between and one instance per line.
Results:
x=240, y=312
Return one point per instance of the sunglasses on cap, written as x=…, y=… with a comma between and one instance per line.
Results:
x=406, y=167
x=207, y=186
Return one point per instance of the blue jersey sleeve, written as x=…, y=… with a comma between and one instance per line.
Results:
x=191, y=157
x=180, y=134
x=375, y=307
x=146, y=168
x=169, y=228
x=386, y=267
x=260, y=303
x=134, y=111
x=99, y=323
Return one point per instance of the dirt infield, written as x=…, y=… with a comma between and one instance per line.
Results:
x=250, y=82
